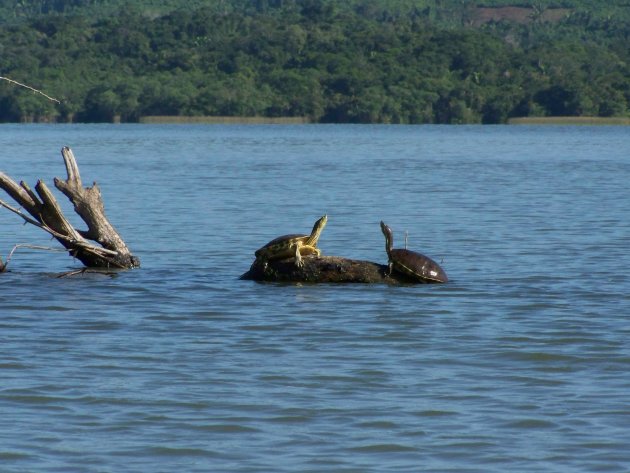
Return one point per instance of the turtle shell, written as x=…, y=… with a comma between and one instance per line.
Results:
x=278, y=245
x=417, y=266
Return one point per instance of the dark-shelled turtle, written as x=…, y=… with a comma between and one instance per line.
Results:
x=413, y=265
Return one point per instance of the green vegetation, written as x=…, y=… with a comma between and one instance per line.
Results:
x=358, y=61
x=570, y=121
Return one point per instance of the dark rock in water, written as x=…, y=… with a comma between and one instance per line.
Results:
x=323, y=269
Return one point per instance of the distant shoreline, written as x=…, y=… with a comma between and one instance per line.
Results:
x=220, y=120
x=569, y=121
x=244, y=120
x=259, y=120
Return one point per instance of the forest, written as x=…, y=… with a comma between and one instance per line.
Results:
x=328, y=61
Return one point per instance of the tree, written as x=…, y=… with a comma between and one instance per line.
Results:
x=557, y=100
x=355, y=61
x=102, y=104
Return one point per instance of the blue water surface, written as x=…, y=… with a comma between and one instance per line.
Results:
x=520, y=363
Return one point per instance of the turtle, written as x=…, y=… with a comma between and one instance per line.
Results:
x=293, y=245
x=413, y=265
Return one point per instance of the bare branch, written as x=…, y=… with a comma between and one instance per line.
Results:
x=52, y=99
x=57, y=235
x=46, y=214
x=21, y=194
x=20, y=213
x=3, y=266
x=72, y=168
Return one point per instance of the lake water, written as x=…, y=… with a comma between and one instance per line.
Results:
x=520, y=363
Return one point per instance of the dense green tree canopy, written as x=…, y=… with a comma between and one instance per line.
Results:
x=359, y=61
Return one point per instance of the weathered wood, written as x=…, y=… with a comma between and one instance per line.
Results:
x=323, y=269
x=88, y=203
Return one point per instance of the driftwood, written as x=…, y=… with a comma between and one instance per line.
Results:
x=45, y=212
x=323, y=269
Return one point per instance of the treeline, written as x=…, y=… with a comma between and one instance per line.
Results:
x=370, y=61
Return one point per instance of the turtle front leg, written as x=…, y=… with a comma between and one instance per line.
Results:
x=298, y=257
x=390, y=268
x=310, y=250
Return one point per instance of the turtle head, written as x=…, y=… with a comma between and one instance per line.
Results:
x=317, y=229
x=389, y=237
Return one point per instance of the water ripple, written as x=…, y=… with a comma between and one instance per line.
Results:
x=519, y=363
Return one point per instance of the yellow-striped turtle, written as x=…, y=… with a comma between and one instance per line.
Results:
x=293, y=245
x=413, y=265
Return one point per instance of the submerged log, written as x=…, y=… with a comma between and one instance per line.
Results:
x=45, y=212
x=323, y=269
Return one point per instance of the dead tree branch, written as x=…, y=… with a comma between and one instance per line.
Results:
x=52, y=99
x=45, y=213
